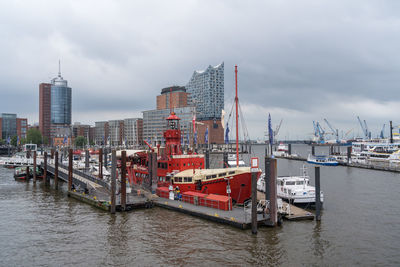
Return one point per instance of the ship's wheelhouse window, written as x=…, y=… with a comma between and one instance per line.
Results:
x=290, y=183
x=189, y=179
x=299, y=182
x=222, y=174
x=214, y=176
x=231, y=172
x=208, y=177
x=186, y=179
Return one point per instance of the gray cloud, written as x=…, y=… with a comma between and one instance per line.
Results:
x=300, y=60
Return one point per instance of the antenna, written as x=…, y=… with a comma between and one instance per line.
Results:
x=59, y=68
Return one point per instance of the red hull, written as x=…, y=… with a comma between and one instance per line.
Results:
x=240, y=187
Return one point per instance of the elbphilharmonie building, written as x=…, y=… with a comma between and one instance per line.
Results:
x=206, y=89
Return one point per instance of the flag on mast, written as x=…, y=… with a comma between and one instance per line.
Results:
x=194, y=123
x=270, y=131
x=227, y=134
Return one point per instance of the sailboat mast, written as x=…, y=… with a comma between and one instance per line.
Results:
x=237, y=126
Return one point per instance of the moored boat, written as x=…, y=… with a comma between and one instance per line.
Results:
x=294, y=189
x=20, y=173
x=322, y=160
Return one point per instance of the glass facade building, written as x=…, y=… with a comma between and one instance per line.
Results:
x=206, y=89
x=9, y=125
x=60, y=101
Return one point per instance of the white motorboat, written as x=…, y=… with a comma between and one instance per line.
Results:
x=294, y=189
x=322, y=160
x=281, y=151
x=232, y=161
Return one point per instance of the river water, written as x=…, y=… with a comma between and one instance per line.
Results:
x=360, y=226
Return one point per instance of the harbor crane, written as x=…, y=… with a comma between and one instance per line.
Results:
x=319, y=132
x=277, y=129
x=335, y=132
x=364, y=128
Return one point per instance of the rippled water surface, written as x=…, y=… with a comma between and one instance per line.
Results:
x=360, y=225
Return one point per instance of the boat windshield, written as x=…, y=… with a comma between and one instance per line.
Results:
x=290, y=183
x=299, y=182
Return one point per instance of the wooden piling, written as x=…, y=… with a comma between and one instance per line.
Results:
x=45, y=168
x=87, y=159
x=313, y=150
x=254, y=202
x=106, y=151
x=225, y=159
x=34, y=167
x=272, y=193
x=317, y=195
x=56, y=170
x=113, y=180
x=290, y=149
x=70, y=170
x=207, y=159
x=123, y=180
x=348, y=154
x=27, y=174
x=100, y=174
x=267, y=176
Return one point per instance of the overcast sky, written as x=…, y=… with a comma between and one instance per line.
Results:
x=299, y=60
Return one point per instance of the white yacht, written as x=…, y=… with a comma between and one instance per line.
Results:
x=232, y=161
x=294, y=189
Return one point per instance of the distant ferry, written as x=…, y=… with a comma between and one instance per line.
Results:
x=322, y=160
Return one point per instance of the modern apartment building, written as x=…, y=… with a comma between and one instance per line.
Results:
x=133, y=131
x=101, y=132
x=116, y=132
x=11, y=126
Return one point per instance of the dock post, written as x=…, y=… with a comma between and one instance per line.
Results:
x=70, y=169
x=105, y=155
x=313, y=150
x=45, y=168
x=34, y=167
x=317, y=195
x=52, y=153
x=123, y=180
x=290, y=149
x=56, y=170
x=348, y=154
x=87, y=159
x=267, y=176
x=113, y=180
x=100, y=172
x=272, y=192
x=27, y=174
x=207, y=159
x=391, y=132
x=225, y=160
x=254, y=202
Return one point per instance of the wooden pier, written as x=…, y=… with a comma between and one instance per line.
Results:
x=237, y=217
x=96, y=192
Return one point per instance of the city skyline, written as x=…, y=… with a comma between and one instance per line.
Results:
x=340, y=64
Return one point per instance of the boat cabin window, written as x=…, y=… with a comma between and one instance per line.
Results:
x=290, y=183
x=222, y=174
x=282, y=183
x=208, y=177
x=187, y=179
x=214, y=176
x=231, y=172
x=299, y=182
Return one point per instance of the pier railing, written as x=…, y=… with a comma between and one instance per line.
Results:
x=88, y=177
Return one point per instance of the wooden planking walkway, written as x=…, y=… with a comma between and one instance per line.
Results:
x=289, y=211
x=237, y=217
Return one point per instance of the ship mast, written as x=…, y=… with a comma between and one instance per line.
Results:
x=237, y=127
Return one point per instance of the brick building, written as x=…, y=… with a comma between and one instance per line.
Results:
x=45, y=109
x=174, y=95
